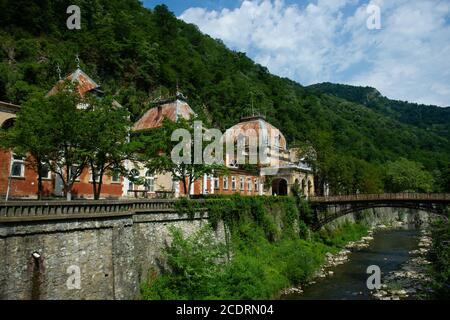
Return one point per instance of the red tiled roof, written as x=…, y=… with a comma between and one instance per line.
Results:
x=84, y=83
x=154, y=117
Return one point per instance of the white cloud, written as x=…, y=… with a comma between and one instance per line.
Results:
x=327, y=40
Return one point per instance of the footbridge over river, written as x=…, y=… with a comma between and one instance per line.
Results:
x=329, y=208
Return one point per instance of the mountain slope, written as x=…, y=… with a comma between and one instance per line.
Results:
x=139, y=54
x=433, y=118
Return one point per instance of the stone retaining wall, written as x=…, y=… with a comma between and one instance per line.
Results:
x=113, y=252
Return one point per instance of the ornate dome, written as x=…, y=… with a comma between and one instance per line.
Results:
x=259, y=127
x=170, y=109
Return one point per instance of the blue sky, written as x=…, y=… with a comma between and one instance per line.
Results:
x=313, y=41
x=179, y=6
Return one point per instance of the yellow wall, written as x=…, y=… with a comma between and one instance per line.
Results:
x=5, y=116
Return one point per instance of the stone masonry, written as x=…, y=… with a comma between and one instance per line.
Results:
x=113, y=253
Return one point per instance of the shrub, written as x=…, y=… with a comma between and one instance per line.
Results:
x=265, y=258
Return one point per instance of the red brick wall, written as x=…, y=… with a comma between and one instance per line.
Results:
x=27, y=186
x=84, y=188
x=245, y=191
x=20, y=187
x=4, y=168
x=220, y=190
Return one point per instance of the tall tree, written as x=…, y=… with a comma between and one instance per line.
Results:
x=68, y=123
x=404, y=175
x=156, y=149
x=31, y=136
x=105, y=137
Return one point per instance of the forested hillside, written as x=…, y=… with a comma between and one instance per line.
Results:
x=138, y=54
x=434, y=118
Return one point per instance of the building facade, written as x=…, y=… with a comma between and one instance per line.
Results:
x=275, y=174
x=18, y=180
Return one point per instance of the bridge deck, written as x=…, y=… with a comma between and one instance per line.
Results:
x=423, y=197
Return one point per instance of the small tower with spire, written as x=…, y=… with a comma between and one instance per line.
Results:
x=84, y=83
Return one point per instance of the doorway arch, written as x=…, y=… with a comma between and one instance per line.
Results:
x=279, y=187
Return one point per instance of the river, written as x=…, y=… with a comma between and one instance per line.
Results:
x=388, y=250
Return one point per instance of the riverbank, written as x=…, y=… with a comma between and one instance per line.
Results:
x=270, y=253
x=440, y=260
x=412, y=280
x=267, y=249
x=333, y=260
x=259, y=268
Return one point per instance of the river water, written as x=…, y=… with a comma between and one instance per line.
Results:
x=388, y=250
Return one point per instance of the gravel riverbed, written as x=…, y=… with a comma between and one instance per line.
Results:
x=410, y=281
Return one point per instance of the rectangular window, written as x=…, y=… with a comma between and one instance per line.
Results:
x=241, y=183
x=17, y=167
x=97, y=176
x=233, y=183
x=73, y=171
x=256, y=184
x=225, y=183
x=216, y=183
x=150, y=184
x=249, y=184
x=45, y=172
x=115, y=178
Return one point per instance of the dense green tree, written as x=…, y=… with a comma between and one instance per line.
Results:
x=68, y=155
x=31, y=136
x=105, y=138
x=404, y=175
x=158, y=147
x=51, y=129
x=139, y=54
